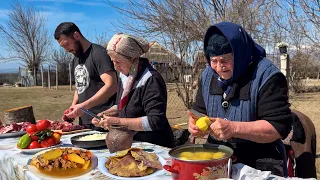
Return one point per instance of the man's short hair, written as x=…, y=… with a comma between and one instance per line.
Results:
x=67, y=29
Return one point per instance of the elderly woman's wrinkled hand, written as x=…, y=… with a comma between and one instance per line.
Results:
x=222, y=129
x=106, y=121
x=193, y=128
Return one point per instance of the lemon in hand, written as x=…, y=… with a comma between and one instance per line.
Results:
x=203, y=123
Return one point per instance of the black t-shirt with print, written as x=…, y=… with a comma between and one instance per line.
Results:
x=87, y=70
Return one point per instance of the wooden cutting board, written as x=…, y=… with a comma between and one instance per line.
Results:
x=72, y=132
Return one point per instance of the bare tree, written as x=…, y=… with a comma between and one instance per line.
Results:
x=101, y=39
x=180, y=26
x=25, y=36
x=62, y=59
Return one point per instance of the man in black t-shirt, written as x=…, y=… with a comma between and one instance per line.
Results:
x=95, y=76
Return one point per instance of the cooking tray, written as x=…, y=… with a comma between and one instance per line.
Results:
x=88, y=144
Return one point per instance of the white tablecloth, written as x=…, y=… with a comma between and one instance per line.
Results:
x=13, y=163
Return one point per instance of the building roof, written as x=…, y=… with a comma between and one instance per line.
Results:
x=159, y=54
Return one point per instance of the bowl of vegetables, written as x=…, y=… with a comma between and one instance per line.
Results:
x=38, y=137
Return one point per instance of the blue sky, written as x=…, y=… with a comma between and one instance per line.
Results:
x=93, y=17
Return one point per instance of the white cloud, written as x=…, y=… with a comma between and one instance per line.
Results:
x=4, y=13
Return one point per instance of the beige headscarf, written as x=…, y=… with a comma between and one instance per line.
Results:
x=133, y=47
x=128, y=45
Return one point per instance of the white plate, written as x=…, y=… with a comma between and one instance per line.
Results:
x=33, y=151
x=104, y=170
x=12, y=134
x=36, y=172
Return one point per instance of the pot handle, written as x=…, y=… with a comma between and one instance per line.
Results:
x=170, y=169
x=174, y=172
x=230, y=168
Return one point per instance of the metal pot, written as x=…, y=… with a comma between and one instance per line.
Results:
x=199, y=169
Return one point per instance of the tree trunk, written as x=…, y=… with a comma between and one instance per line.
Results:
x=19, y=114
x=35, y=77
x=42, y=76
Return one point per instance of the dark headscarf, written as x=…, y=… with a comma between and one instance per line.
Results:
x=244, y=49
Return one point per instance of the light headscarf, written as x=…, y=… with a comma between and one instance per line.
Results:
x=130, y=47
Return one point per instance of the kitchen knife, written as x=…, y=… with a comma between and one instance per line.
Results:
x=91, y=114
x=196, y=114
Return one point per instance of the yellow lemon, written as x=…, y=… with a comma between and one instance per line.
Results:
x=206, y=118
x=203, y=123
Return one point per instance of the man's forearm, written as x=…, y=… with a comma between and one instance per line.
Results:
x=260, y=131
x=75, y=98
x=100, y=97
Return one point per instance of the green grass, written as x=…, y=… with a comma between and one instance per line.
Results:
x=46, y=103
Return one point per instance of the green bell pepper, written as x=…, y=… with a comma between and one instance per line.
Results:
x=24, y=141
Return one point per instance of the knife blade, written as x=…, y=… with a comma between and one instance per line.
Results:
x=196, y=114
x=91, y=114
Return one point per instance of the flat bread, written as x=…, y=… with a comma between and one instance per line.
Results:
x=148, y=159
x=133, y=162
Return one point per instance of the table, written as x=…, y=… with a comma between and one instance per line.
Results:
x=13, y=163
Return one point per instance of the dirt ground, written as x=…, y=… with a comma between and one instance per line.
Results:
x=50, y=104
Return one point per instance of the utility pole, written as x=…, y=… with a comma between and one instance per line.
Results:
x=284, y=60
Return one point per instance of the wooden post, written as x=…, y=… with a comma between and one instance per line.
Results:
x=20, y=75
x=49, y=85
x=70, y=79
x=56, y=76
x=34, y=76
x=41, y=69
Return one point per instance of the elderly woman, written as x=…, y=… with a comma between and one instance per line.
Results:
x=141, y=95
x=246, y=97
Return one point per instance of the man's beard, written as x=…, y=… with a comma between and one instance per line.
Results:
x=79, y=49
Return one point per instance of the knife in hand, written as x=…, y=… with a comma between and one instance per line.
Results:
x=196, y=114
x=91, y=114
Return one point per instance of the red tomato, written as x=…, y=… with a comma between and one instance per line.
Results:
x=51, y=141
x=33, y=138
x=43, y=125
x=44, y=144
x=34, y=145
x=31, y=128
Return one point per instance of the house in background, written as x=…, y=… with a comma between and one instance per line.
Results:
x=164, y=61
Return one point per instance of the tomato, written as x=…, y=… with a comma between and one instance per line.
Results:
x=56, y=136
x=43, y=125
x=31, y=128
x=50, y=141
x=33, y=137
x=44, y=144
x=34, y=145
